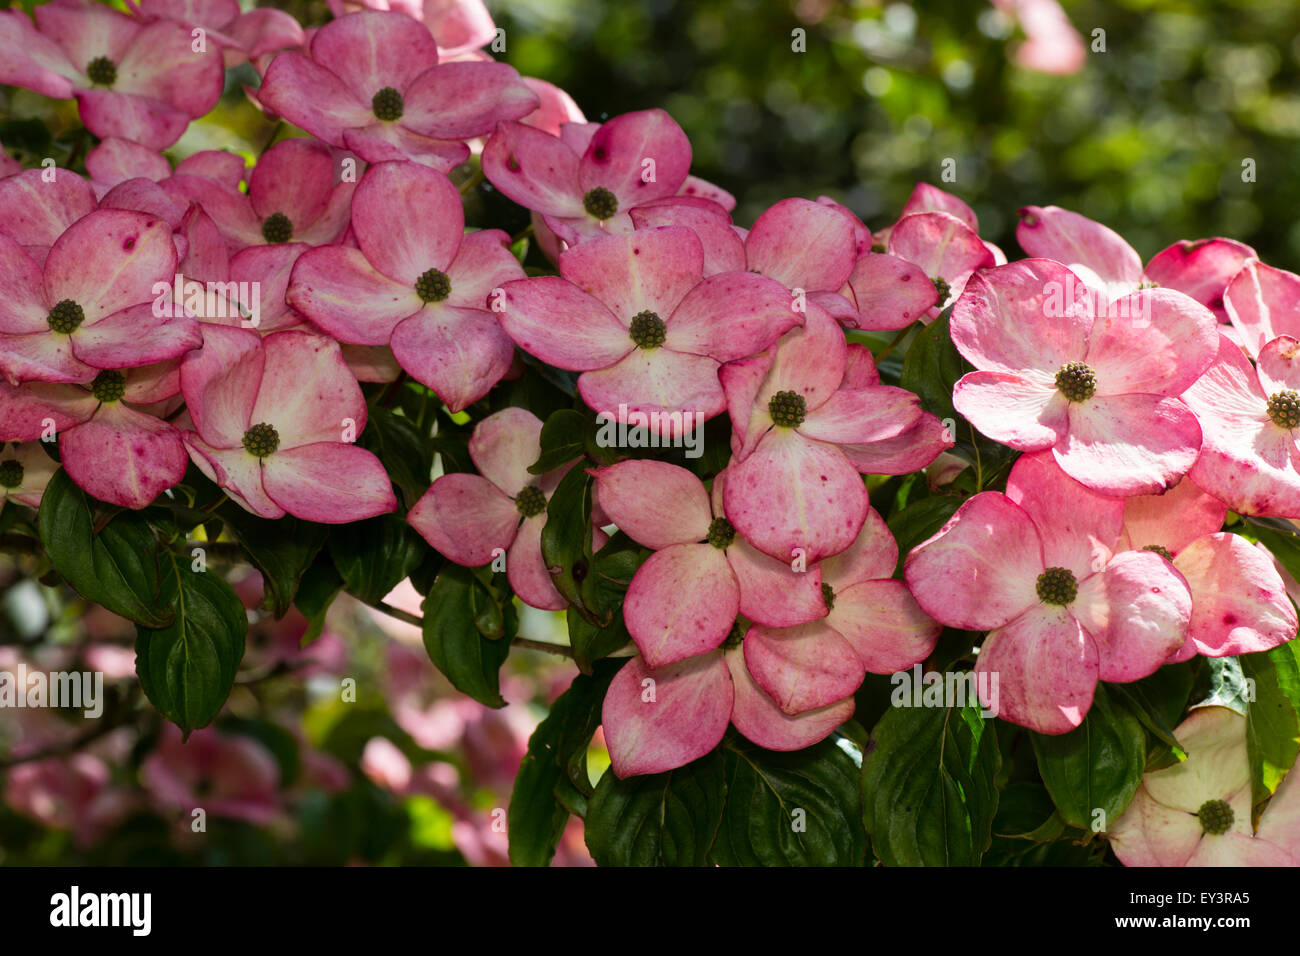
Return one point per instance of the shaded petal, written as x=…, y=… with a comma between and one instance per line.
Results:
x=682, y=602
x=1201, y=268
x=911, y=451
x=1239, y=603
x=1078, y=528
x=526, y=568
x=809, y=361
x=648, y=270
x=656, y=504
x=1042, y=671
x=1262, y=303
x=41, y=357
x=758, y=717
x=771, y=592
x=927, y=198
x=873, y=554
x=371, y=50
x=237, y=472
x=328, y=482
x=980, y=570
x=503, y=447
x=553, y=319
x=616, y=158
x=1136, y=611
x=123, y=456
x=884, y=625
x=220, y=381
x=1149, y=833
x=307, y=392
x=403, y=240
x=109, y=260
x=295, y=177
x=1049, y=232
x=823, y=500
x=312, y=97
x=137, y=335
x=1018, y=412
x=483, y=264
x=656, y=381
x=458, y=100
x=535, y=169
x=1160, y=344
x=802, y=668
x=145, y=120
x=37, y=212
x=802, y=244
x=890, y=292
x=27, y=410
x=459, y=353
x=731, y=316
x=340, y=292
x=1278, y=365
x=678, y=717
x=1172, y=520
x=724, y=251
x=1216, y=767
x=466, y=518
x=858, y=415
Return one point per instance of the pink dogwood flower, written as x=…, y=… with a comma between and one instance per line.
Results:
x=38, y=212
x=585, y=189
x=142, y=82
x=112, y=441
x=1198, y=812
x=791, y=489
x=911, y=449
x=458, y=26
x=634, y=314
x=1262, y=302
x=296, y=193
x=373, y=85
x=417, y=282
x=1109, y=266
x=1101, y=391
x=25, y=470
x=473, y=519
x=242, y=36
x=1033, y=568
x=93, y=306
x=1250, y=459
x=274, y=421
x=874, y=624
x=684, y=599
x=227, y=775
x=75, y=793
x=1239, y=601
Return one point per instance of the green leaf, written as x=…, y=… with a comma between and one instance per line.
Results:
x=406, y=453
x=932, y=366
x=117, y=568
x=375, y=555
x=663, y=819
x=603, y=591
x=282, y=550
x=928, y=789
x=469, y=660
x=556, y=762
x=1096, y=766
x=1272, y=730
x=791, y=809
x=187, y=668
x=920, y=520
x=319, y=586
x=566, y=538
x=561, y=440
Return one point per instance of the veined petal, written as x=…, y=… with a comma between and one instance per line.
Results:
x=655, y=503
x=730, y=316
x=123, y=456
x=328, y=482
x=1239, y=603
x=1079, y=528
x=1024, y=414
x=343, y=294
x=682, y=602
x=459, y=353
x=803, y=668
x=756, y=715
x=803, y=245
x=884, y=625
x=1125, y=445
x=553, y=319
x=465, y=517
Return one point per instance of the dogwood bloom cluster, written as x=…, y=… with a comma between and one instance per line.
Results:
x=1146, y=407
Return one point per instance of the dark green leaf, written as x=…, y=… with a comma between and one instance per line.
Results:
x=791, y=809
x=919, y=520
x=375, y=555
x=928, y=786
x=1272, y=729
x=187, y=668
x=469, y=660
x=663, y=819
x=282, y=550
x=566, y=537
x=118, y=567
x=319, y=586
x=406, y=453
x=561, y=440
x=932, y=366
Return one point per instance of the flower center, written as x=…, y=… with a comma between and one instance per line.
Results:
x=102, y=71
x=941, y=286
x=600, y=202
x=65, y=316
x=1284, y=409
x=433, y=286
x=1215, y=816
x=648, y=331
x=828, y=595
x=1077, y=382
x=11, y=473
x=733, y=638
x=109, y=386
x=387, y=104
x=261, y=440
x=530, y=501
x=721, y=533
x=788, y=409
x=1057, y=586
x=277, y=228
x=1160, y=550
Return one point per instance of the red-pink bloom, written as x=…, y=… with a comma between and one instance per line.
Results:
x=73, y=793
x=142, y=82
x=634, y=314
x=25, y=470
x=1250, y=459
x=274, y=423
x=417, y=282
x=1111, y=267
x=112, y=440
x=1198, y=812
x=242, y=36
x=792, y=491
x=225, y=775
x=373, y=85
x=555, y=109
x=583, y=183
x=1034, y=568
x=94, y=305
x=1239, y=602
x=458, y=26
x=473, y=519
x=911, y=449
x=874, y=624
x=1099, y=390
x=684, y=599
x=1051, y=43
x=37, y=212
x=296, y=192
x=116, y=160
